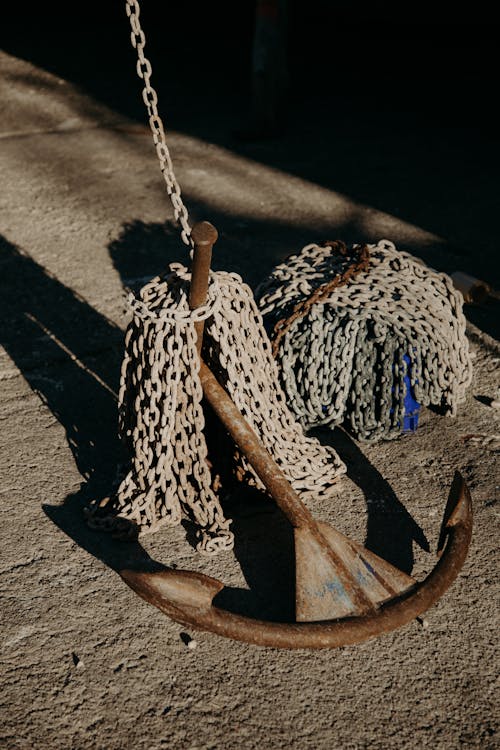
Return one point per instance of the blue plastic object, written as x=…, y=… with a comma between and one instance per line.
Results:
x=412, y=407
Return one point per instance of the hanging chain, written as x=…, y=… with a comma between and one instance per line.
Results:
x=150, y=99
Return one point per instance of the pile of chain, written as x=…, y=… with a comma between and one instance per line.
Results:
x=349, y=326
x=162, y=420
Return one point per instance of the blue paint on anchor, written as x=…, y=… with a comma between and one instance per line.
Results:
x=368, y=566
x=334, y=588
x=363, y=579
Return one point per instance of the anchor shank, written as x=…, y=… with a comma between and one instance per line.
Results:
x=204, y=237
x=265, y=467
x=327, y=571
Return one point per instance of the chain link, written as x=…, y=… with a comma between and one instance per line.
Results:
x=342, y=358
x=357, y=260
x=150, y=98
x=162, y=421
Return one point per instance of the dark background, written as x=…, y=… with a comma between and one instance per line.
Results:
x=394, y=106
x=423, y=57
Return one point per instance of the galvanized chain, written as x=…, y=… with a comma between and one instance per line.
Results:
x=161, y=416
x=357, y=260
x=344, y=361
x=150, y=99
x=239, y=350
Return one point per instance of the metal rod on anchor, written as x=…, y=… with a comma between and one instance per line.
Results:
x=204, y=236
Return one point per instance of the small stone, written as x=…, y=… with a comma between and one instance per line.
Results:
x=77, y=661
x=187, y=640
x=495, y=404
x=492, y=443
x=192, y=644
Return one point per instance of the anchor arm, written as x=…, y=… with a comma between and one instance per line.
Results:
x=200, y=613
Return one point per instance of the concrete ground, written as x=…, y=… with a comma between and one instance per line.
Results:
x=85, y=662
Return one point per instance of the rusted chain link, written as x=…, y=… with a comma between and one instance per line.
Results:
x=150, y=99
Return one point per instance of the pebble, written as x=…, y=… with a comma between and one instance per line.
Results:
x=495, y=404
x=192, y=644
x=492, y=443
x=77, y=661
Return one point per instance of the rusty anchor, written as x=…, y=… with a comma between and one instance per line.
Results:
x=344, y=593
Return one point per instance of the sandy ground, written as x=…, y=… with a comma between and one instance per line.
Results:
x=85, y=662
